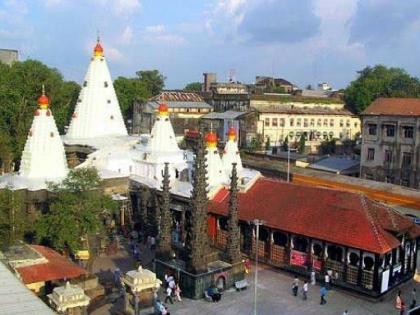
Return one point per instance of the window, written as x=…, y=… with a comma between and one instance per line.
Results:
x=291, y=134
x=325, y=135
x=390, y=130
x=325, y=122
x=408, y=132
x=388, y=156
x=348, y=123
x=106, y=84
x=341, y=123
x=267, y=122
x=292, y=122
x=331, y=122
x=305, y=122
x=355, y=125
x=274, y=122
x=282, y=122
x=331, y=134
x=371, y=154
x=406, y=159
x=372, y=129
x=312, y=122
x=319, y=122
x=85, y=84
x=298, y=122
x=108, y=101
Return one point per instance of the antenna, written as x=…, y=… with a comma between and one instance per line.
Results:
x=98, y=36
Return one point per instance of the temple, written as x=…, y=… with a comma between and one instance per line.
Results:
x=43, y=158
x=97, y=113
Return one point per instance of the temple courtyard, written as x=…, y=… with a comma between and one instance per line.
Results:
x=274, y=295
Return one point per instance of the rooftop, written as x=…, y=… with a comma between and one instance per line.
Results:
x=296, y=99
x=394, y=107
x=230, y=114
x=338, y=217
x=17, y=299
x=178, y=96
x=290, y=109
x=336, y=164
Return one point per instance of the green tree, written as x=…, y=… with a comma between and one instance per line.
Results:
x=20, y=87
x=302, y=143
x=286, y=144
x=13, y=218
x=76, y=211
x=328, y=146
x=193, y=87
x=379, y=81
x=138, y=89
x=153, y=79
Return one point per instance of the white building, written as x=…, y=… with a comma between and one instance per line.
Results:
x=43, y=158
x=97, y=112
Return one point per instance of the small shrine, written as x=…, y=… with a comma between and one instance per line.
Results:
x=69, y=299
x=141, y=286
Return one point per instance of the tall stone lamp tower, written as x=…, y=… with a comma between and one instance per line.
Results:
x=166, y=217
x=197, y=237
x=233, y=250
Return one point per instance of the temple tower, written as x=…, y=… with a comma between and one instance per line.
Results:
x=166, y=217
x=43, y=156
x=233, y=250
x=215, y=174
x=97, y=112
x=231, y=153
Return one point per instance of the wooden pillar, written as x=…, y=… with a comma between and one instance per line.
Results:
x=346, y=262
x=360, y=270
x=376, y=278
x=324, y=257
x=289, y=246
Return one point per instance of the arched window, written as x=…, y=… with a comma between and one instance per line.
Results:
x=263, y=235
x=300, y=244
x=317, y=249
x=368, y=263
x=223, y=223
x=335, y=253
x=354, y=259
x=280, y=238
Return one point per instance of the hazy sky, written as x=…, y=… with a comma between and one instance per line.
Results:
x=304, y=41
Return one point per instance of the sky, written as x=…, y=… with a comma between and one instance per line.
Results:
x=303, y=41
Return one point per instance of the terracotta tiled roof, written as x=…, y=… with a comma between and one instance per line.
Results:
x=58, y=267
x=335, y=216
x=178, y=96
x=394, y=107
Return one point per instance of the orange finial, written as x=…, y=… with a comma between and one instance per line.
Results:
x=232, y=134
x=211, y=139
x=43, y=100
x=98, y=51
x=163, y=109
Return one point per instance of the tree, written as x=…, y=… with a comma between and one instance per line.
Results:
x=76, y=211
x=13, y=218
x=193, y=87
x=328, y=146
x=302, y=143
x=153, y=79
x=20, y=87
x=379, y=81
x=138, y=89
x=130, y=90
x=286, y=144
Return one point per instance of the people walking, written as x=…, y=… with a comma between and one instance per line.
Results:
x=169, y=295
x=323, y=293
x=178, y=293
x=295, y=286
x=305, y=290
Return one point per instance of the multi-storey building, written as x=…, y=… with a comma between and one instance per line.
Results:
x=293, y=117
x=391, y=141
x=8, y=56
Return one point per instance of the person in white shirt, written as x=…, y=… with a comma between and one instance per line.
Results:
x=327, y=281
x=305, y=290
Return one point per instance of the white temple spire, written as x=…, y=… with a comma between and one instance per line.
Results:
x=97, y=112
x=43, y=156
x=231, y=153
x=215, y=173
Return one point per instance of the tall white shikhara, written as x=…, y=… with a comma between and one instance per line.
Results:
x=97, y=112
x=43, y=156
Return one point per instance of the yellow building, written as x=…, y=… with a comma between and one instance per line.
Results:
x=317, y=120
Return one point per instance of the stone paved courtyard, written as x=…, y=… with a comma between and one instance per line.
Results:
x=274, y=288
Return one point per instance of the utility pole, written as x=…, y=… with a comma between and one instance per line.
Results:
x=257, y=224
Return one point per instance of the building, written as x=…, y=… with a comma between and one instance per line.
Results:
x=244, y=122
x=225, y=96
x=344, y=165
x=38, y=265
x=185, y=110
x=293, y=117
x=391, y=141
x=265, y=84
x=8, y=56
x=366, y=247
x=97, y=112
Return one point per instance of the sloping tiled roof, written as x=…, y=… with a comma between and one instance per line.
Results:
x=394, y=107
x=335, y=216
x=58, y=267
x=178, y=96
x=289, y=109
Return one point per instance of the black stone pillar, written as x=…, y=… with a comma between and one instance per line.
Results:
x=360, y=270
x=376, y=278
